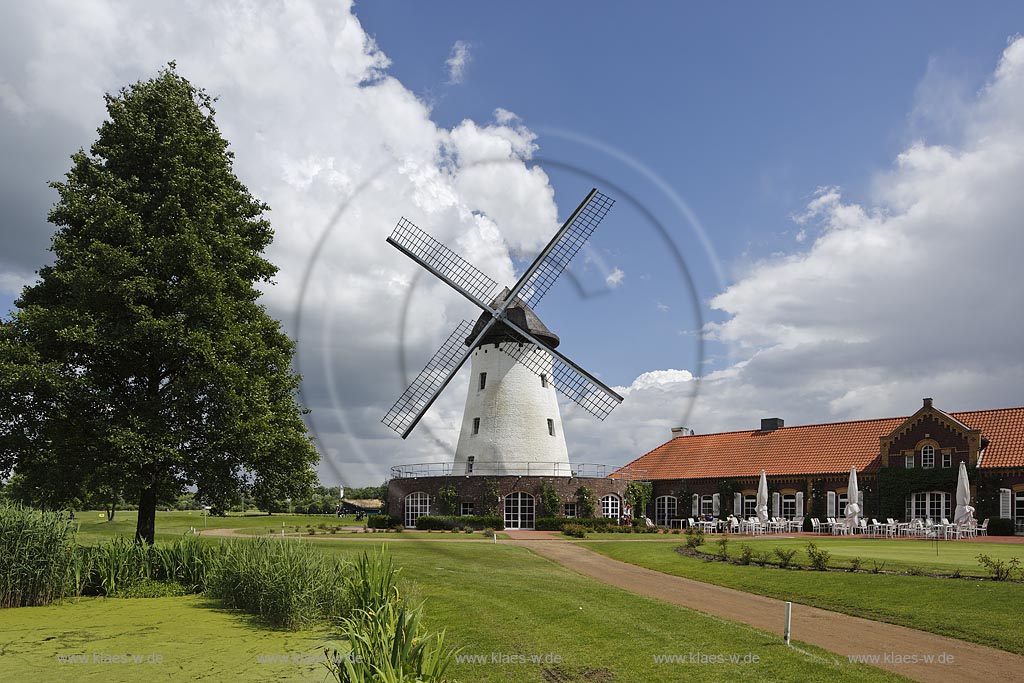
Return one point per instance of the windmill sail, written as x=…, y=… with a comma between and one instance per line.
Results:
x=566, y=243
x=443, y=262
x=439, y=370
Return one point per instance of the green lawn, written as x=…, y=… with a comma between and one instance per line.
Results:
x=94, y=524
x=495, y=601
x=984, y=612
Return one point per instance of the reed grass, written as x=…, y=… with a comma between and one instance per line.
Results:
x=289, y=583
x=38, y=556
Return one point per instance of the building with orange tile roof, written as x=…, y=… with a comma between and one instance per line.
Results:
x=907, y=467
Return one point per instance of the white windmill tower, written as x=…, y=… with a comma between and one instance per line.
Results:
x=511, y=424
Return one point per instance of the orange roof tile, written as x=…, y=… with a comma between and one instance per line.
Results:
x=811, y=449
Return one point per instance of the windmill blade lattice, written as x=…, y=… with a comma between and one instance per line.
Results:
x=415, y=400
x=437, y=257
x=566, y=244
x=575, y=385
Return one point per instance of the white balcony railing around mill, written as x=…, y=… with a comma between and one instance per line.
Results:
x=523, y=469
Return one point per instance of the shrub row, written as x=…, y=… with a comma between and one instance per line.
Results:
x=448, y=522
x=383, y=522
x=1000, y=526
x=556, y=523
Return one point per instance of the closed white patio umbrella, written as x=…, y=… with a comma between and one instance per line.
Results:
x=762, y=499
x=852, y=510
x=964, y=513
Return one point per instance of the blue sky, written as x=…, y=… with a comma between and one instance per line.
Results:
x=743, y=108
x=842, y=183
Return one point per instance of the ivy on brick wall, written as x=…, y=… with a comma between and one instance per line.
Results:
x=894, y=485
x=447, y=499
x=491, y=495
x=638, y=495
x=550, y=500
x=727, y=488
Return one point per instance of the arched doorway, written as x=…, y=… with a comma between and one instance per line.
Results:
x=416, y=505
x=519, y=510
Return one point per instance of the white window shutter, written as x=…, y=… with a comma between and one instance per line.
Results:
x=800, y=504
x=737, y=504
x=716, y=504
x=776, y=504
x=695, y=509
x=1005, y=510
x=830, y=509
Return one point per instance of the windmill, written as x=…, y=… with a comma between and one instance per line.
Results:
x=504, y=409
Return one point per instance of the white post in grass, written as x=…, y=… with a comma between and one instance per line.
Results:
x=789, y=620
x=495, y=539
x=282, y=529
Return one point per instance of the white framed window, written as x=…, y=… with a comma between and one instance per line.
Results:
x=465, y=508
x=933, y=505
x=789, y=506
x=519, y=510
x=476, y=426
x=417, y=504
x=707, y=505
x=841, y=500
x=665, y=509
x=611, y=507
x=749, y=507
x=928, y=457
x=483, y=381
x=551, y=427
x=908, y=462
x=544, y=381
x=1018, y=511
x=569, y=510
x=947, y=460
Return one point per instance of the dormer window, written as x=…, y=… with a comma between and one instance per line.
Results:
x=909, y=462
x=947, y=459
x=928, y=457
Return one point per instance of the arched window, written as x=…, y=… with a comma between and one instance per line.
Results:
x=416, y=505
x=928, y=457
x=519, y=510
x=665, y=508
x=611, y=507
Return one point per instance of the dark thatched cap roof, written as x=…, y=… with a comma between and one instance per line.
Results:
x=520, y=314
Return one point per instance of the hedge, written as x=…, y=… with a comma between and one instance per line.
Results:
x=1000, y=526
x=556, y=523
x=446, y=522
x=383, y=522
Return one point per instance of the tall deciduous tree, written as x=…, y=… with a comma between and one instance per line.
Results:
x=141, y=362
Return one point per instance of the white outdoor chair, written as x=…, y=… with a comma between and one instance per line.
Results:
x=815, y=525
x=983, y=529
x=796, y=525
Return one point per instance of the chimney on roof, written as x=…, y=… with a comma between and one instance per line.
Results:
x=770, y=424
x=681, y=431
x=927, y=403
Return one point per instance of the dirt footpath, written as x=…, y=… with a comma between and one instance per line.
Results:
x=839, y=633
